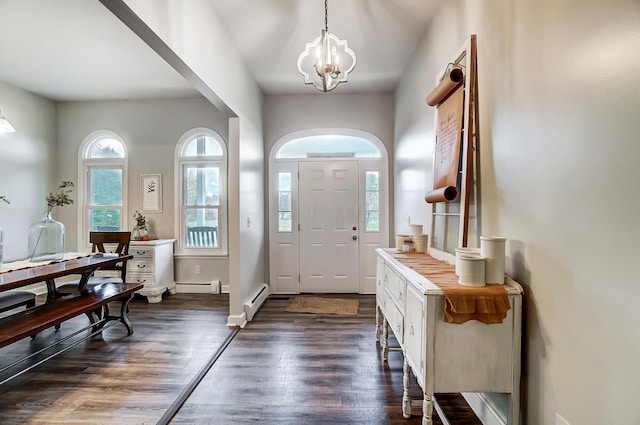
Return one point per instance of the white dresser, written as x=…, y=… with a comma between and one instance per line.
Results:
x=152, y=265
x=446, y=357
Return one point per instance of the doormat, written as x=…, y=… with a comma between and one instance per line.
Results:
x=324, y=306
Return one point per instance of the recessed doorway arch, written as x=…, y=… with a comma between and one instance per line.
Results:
x=328, y=210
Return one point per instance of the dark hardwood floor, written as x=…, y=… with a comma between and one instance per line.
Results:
x=282, y=368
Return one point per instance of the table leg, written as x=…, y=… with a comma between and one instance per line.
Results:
x=427, y=409
x=124, y=308
x=406, y=382
x=377, y=324
x=84, y=278
x=51, y=290
x=385, y=338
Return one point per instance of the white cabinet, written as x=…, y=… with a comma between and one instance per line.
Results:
x=446, y=357
x=152, y=265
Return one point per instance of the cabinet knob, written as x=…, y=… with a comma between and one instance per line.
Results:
x=141, y=266
x=141, y=252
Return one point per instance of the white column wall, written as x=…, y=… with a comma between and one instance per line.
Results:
x=193, y=31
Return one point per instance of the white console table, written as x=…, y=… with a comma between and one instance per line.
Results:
x=446, y=357
x=152, y=265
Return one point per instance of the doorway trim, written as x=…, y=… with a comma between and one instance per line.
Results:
x=284, y=248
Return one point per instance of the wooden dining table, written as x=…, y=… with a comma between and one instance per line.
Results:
x=84, y=266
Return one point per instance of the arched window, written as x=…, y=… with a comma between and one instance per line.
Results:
x=102, y=184
x=328, y=145
x=201, y=175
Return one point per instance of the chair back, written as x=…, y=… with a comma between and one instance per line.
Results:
x=108, y=228
x=202, y=236
x=119, y=240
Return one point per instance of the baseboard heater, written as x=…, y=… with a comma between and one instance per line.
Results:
x=258, y=298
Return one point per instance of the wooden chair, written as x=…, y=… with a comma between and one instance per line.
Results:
x=108, y=228
x=98, y=241
x=202, y=236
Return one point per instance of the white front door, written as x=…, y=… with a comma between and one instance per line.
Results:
x=328, y=208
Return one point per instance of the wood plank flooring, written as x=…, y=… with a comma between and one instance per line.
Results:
x=283, y=368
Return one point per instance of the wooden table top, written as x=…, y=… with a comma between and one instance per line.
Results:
x=27, y=276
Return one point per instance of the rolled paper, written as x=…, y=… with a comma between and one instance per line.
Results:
x=448, y=194
x=445, y=87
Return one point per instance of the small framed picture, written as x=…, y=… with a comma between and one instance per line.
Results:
x=151, y=192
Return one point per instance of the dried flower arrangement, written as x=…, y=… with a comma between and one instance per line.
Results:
x=61, y=197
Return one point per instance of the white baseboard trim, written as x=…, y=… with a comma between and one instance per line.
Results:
x=213, y=287
x=483, y=410
x=237, y=320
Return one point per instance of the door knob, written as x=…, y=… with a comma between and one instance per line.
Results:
x=354, y=237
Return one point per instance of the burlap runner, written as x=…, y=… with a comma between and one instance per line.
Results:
x=488, y=304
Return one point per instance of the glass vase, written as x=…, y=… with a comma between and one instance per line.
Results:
x=140, y=233
x=46, y=240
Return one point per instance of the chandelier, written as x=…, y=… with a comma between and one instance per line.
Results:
x=322, y=68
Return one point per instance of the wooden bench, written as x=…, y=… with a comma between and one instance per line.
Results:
x=92, y=302
x=14, y=299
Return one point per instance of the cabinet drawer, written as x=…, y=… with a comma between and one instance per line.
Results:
x=394, y=316
x=396, y=286
x=140, y=252
x=147, y=279
x=140, y=265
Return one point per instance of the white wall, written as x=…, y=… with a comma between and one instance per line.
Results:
x=150, y=129
x=559, y=93
x=286, y=114
x=193, y=31
x=27, y=165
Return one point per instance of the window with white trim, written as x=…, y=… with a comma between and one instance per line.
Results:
x=372, y=201
x=284, y=202
x=102, y=184
x=201, y=173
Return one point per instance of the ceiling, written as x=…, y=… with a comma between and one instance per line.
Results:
x=77, y=50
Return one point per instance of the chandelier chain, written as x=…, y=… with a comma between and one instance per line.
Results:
x=326, y=12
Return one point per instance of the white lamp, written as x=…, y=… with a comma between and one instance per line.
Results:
x=5, y=125
x=322, y=69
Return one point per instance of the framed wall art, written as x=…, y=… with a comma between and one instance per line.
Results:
x=151, y=193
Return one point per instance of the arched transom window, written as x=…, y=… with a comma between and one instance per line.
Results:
x=328, y=145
